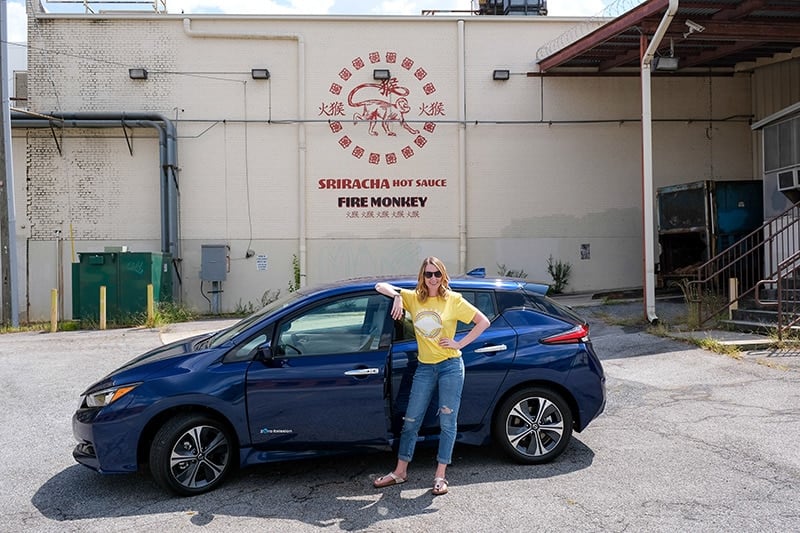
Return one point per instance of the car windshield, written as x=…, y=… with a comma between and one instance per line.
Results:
x=224, y=335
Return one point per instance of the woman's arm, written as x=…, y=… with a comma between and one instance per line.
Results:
x=393, y=292
x=481, y=323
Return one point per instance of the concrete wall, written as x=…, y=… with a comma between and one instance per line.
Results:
x=542, y=166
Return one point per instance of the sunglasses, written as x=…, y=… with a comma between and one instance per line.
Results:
x=429, y=275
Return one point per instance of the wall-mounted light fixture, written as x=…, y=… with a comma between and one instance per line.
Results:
x=381, y=74
x=501, y=75
x=260, y=74
x=668, y=64
x=137, y=73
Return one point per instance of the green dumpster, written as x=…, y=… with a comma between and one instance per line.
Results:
x=126, y=276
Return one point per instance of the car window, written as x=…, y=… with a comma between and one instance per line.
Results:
x=553, y=308
x=484, y=301
x=247, y=350
x=346, y=325
x=225, y=335
x=404, y=329
x=506, y=300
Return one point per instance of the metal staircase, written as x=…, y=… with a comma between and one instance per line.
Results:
x=753, y=284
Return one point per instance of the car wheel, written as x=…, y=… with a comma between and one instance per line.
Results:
x=533, y=426
x=191, y=454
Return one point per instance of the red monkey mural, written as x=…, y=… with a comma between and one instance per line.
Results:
x=382, y=110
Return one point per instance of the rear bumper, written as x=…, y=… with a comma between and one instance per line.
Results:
x=588, y=383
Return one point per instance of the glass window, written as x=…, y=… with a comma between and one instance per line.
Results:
x=786, y=144
x=771, y=159
x=484, y=301
x=347, y=325
x=247, y=350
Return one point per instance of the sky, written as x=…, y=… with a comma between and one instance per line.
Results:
x=17, y=21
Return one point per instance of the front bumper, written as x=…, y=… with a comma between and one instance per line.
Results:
x=106, y=444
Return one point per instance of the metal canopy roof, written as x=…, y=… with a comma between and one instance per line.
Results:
x=703, y=35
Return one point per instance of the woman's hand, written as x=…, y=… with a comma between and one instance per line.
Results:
x=397, y=308
x=449, y=343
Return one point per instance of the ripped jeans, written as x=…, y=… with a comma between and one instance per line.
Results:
x=449, y=375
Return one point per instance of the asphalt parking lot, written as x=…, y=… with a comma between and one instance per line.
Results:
x=690, y=441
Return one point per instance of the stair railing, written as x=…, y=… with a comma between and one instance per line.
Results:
x=785, y=286
x=755, y=257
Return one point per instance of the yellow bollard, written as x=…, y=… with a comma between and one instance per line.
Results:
x=150, y=306
x=53, y=310
x=102, y=307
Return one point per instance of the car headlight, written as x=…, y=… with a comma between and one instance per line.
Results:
x=108, y=396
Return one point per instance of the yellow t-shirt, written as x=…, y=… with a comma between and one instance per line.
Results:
x=436, y=318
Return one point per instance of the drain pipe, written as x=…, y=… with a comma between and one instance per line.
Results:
x=649, y=280
x=167, y=138
x=301, y=128
x=462, y=151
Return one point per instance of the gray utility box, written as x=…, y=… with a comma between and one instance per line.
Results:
x=214, y=262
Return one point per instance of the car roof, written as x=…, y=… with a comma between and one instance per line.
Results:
x=457, y=283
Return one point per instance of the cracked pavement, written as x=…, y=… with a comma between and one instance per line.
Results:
x=690, y=441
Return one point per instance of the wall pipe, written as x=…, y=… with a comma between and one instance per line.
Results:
x=648, y=232
x=462, y=151
x=167, y=139
x=10, y=292
x=301, y=110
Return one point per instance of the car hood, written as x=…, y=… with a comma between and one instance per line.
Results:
x=141, y=366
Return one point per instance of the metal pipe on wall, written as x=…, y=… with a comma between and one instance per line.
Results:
x=10, y=291
x=168, y=164
x=648, y=231
x=462, y=151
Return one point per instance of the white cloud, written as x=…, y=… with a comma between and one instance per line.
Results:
x=575, y=8
x=17, y=19
x=17, y=22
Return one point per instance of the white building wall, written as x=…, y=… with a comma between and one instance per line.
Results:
x=550, y=164
x=776, y=86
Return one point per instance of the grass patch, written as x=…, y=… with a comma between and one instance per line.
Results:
x=612, y=320
x=772, y=364
x=35, y=326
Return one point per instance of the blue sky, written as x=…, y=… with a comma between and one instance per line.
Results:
x=17, y=21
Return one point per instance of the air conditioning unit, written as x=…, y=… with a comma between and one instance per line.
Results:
x=788, y=180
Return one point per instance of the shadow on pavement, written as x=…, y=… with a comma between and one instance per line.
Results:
x=319, y=492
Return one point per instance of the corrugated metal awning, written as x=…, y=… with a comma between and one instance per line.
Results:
x=721, y=35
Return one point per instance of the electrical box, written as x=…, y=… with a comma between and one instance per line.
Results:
x=214, y=262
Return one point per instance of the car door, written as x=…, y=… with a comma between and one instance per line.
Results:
x=487, y=360
x=324, y=385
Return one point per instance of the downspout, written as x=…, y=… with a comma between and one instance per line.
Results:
x=167, y=138
x=301, y=108
x=462, y=151
x=649, y=281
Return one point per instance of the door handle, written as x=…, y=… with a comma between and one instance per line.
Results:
x=363, y=372
x=491, y=349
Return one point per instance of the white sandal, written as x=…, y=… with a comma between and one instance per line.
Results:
x=388, y=480
x=439, y=486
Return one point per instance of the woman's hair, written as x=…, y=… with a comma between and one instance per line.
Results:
x=422, y=289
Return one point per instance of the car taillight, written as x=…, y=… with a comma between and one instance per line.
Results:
x=575, y=335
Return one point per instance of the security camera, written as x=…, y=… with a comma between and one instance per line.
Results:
x=693, y=26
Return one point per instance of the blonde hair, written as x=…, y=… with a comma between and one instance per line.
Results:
x=422, y=289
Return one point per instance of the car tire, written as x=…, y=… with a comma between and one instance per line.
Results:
x=191, y=454
x=533, y=426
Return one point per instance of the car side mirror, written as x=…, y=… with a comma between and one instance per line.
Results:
x=264, y=352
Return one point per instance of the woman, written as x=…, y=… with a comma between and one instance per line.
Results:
x=435, y=311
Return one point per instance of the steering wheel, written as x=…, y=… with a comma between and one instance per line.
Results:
x=286, y=346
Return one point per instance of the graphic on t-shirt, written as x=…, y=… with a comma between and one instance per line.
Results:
x=428, y=323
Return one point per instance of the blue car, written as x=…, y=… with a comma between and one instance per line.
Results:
x=326, y=370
